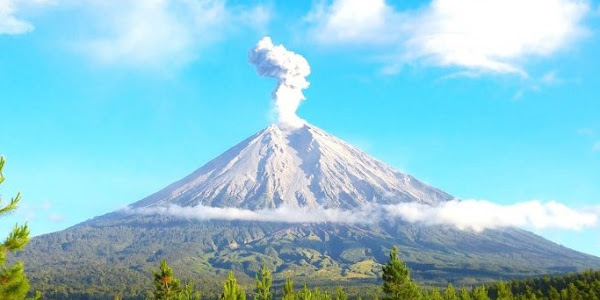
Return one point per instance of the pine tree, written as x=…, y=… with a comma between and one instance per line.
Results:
x=450, y=293
x=317, y=294
x=397, y=284
x=231, y=290
x=305, y=294
x=480, y=293
x=464, y=294
x=288, y=290
x=263, y=284
x=13, y=282
x=433, y=294
x=188, y=293
x=166, y=286
x=340, y=294
x=573, y=293
x=504, y=291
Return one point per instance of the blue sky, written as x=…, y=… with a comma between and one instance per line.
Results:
x=104, y=103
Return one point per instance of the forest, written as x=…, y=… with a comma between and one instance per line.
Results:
x=396, y=284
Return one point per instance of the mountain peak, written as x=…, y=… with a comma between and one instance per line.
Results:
x=295, y=167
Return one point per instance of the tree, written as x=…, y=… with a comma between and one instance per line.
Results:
x=504, y=291
x=573, y=293
x=433, y=294
x=397, y=284
x=166, y=286
x=13, y=281
x=553, y=294
x=188, y=293
x=450, y=293
x=480, y=293
x=464, y=294
x=231, y=290
x=340, y=294
x=305, y=294
x=288, y=290
x=263, y=284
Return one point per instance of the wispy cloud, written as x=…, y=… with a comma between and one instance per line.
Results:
x=9, y=22
x=56, y=218
x=490, y=35
x=281, y=214
x=586, y=132
x=590, y=135
x=160, y=33
x=143, y=33
x=475, y=215
x=28, y=212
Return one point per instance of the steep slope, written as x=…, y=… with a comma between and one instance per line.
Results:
x=301, y=167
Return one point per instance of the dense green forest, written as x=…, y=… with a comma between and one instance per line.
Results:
x=395, y=284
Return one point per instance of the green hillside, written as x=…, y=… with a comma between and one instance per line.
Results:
x=119, y=251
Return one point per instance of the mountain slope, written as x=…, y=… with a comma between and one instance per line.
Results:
x=305, y=167
x=302, y=167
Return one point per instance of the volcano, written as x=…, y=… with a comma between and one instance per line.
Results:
x=298, y=168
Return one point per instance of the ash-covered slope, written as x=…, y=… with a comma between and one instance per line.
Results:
x=294, y=167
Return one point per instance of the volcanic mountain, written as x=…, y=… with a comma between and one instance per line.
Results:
x=301, y=167
x=295, y=168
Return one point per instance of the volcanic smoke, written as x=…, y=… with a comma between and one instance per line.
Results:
x=290, y=70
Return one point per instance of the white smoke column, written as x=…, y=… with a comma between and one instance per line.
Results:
x=290, y=70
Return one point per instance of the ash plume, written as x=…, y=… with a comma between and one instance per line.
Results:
x=290, y=70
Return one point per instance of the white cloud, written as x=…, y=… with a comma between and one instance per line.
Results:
x=596, y=146
x=487, y=35
x=478, y=215
x=355, y=21
x=586, y=132
x=56, y=218
x=159, y=33
x=550, y=78
x=9, y=22
x=281, y=214
x=475, y=215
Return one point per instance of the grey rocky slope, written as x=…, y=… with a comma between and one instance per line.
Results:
x=301, y=167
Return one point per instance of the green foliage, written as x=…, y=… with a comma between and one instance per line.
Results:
x=553, y=294
x=231, y=290
x=480, y=293
x=188, y=293
x=397, y=284
x=340, y=294
x=14, y=284
x=166, y=286
x=433, y=294
x=504, y=292
x=264, y=280
x=464, y=294
x=305, y=293
x=450, y=293
x=77, y=263
x=288, y=290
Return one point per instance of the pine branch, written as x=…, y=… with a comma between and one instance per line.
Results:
x=17, y=239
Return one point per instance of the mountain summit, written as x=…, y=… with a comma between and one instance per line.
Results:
x=294, y=167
